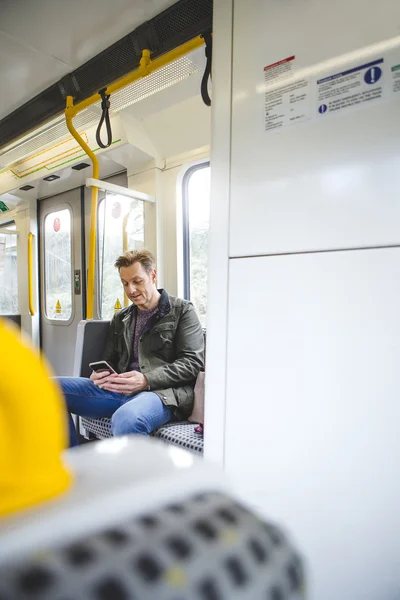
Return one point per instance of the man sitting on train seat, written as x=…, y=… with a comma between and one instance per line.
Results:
x=155, y=346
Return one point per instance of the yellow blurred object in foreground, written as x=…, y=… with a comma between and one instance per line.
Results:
x=33, y=428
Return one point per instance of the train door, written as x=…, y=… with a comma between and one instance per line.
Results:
x=61, y=284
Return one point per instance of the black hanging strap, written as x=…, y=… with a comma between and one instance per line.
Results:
x=207, y=71
x=105, y=116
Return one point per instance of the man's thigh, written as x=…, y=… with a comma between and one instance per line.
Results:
x=145, y=408
x=85, y=399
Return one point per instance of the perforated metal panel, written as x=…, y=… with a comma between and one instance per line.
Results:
x=193, y=16
x=206, y=548
x=106, y=67
x=163, y=78
x=31, y=114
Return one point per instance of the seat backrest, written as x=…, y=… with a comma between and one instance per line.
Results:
x=14, y=318
x=91, y=338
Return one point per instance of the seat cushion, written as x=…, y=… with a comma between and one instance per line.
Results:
x=181, y=433
x=178, y=433
x=101, y=428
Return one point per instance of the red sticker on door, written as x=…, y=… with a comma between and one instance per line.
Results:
x=116, y=210
x=56, y=224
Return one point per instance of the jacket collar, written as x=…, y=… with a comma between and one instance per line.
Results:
x=164, y=305
x=164, y=308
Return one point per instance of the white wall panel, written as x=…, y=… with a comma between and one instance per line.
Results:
x=326, y=183
x=312, y=411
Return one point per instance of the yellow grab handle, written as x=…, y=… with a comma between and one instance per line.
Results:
x=33, y=428
x=146, y=67
x=30, y=274
x=69, y=114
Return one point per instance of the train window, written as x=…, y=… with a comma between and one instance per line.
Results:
x=121, y=228
x=8, y=270
x=58, y=267
x=195, y=216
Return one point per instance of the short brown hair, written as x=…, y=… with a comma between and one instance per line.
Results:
x=129, y=258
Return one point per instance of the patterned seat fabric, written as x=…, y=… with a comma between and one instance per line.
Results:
x=101, y=428
x=180, y=433
x=206, y=547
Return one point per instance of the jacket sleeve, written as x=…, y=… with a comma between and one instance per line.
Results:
x=189, y=344
x=110, y=351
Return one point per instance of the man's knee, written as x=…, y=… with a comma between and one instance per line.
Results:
x=125, y=421
x=73, y=390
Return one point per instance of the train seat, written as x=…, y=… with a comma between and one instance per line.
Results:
x=90, y=342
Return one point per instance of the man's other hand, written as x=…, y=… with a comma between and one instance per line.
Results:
x=126, y=383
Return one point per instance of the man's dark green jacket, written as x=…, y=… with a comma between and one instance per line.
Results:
x=171, y=350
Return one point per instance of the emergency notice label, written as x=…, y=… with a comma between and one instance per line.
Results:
x=352, y=87
x=287, y=99
x=295, y=95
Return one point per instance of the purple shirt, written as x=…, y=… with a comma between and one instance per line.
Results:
x=142, y=317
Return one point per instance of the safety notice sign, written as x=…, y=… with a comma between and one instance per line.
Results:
x=286, y=100
x=294, y=95
x=353, y=87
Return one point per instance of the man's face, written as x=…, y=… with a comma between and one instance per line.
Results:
x=139, y=285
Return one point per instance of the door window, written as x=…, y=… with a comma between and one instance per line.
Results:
x=196, y=216
x=58, y=265
x=121, y=228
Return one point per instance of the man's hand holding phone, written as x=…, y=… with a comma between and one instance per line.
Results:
x=101, y=373
x=100, y=378
x=127, y=383
x=106, y=378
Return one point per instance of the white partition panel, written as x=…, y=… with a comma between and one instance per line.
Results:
x=330, y=178
x=313, y=411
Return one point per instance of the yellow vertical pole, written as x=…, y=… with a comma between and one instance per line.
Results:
x=125, y=244
x=30, y=274
x=69, y=115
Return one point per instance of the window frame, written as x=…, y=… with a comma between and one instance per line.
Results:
x=47, y=319
x=186, y=224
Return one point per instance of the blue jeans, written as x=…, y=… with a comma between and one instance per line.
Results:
x=140, y=414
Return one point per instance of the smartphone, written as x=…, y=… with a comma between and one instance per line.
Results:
x=101, y=367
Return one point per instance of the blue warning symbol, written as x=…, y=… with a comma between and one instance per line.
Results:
x=372, y=75
x=322, y=109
